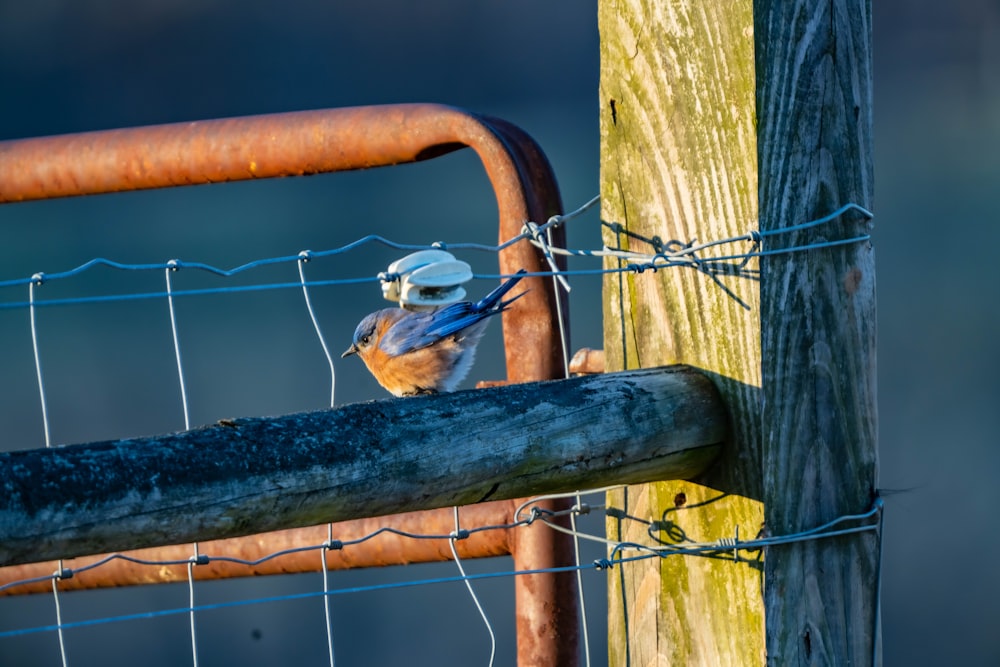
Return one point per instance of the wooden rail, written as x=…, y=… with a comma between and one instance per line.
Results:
x=365, y=459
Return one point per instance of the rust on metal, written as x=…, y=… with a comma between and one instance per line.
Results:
x=312, y=142
x=228, y=149
x=386, y=548
x=547, y=608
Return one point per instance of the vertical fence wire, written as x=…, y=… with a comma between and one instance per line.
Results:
x=579, y=583
x=37, y=279
x=468, y=584
x=326, y=591
x=190, y=573
x=55, y=596
x=304, y=257
x=564, y=339
x=173, y=265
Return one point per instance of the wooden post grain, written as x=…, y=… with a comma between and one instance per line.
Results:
x=814, y=108
x=678, y=162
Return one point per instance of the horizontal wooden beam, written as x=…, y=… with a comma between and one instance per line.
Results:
x=246, y=476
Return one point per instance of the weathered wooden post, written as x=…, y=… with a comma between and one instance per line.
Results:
x=684, y=127
x=678, y=161
x=814, y=110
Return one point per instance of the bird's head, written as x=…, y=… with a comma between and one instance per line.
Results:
x=370, y=331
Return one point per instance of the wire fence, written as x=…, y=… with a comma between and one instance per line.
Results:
x=670, y=254
x=729, y=256
x=661, y=544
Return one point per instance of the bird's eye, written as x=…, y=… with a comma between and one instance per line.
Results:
x=365, y=339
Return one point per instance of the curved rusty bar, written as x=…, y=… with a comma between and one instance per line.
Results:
x=312, y=142
x=548, y=613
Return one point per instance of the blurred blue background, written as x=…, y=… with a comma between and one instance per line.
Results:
x=69, y=67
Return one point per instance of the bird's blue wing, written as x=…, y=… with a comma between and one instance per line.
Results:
x=425, y=328
x=421, y=329
x=452, y=319
x=408, y=334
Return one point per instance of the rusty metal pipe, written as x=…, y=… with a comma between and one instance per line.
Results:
x=229, y=149
x=548, y=612
x=311, y=142
x=385, y=549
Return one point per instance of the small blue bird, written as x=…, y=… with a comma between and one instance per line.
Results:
x=425, y=352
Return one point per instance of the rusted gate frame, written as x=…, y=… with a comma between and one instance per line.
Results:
x=312, y=142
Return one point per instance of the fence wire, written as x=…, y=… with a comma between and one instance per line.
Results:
x=724, y=255
x=671, y=254
x=619, y=554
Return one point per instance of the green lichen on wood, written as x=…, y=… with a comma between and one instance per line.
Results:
x=678, y=162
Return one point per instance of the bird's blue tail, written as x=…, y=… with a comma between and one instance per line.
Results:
x=491, y=300
x=452, y=319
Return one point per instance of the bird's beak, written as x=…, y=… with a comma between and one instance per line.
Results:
x=353, y=349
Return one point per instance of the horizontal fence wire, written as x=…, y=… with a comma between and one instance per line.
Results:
x=673, y=254
x=619, y=554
